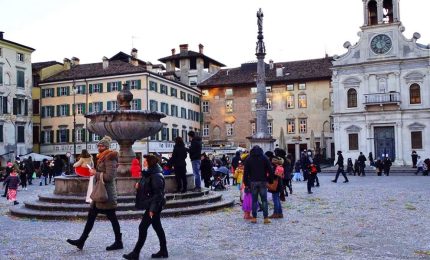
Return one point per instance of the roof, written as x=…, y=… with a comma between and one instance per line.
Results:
x=302, y=70
x=190, y=54
x=41, y=65
x=17, y=44
x=125, y=57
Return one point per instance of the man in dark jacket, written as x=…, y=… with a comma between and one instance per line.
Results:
x=258, y=171
x=195, y=151
x=339, y=163
x=29, y=169
x=362, y=163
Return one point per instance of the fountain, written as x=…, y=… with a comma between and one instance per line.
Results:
x=125, y=126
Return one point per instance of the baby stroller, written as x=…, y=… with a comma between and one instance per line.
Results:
x=218, y=176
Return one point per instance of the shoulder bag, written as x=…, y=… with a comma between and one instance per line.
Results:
x=99, y=193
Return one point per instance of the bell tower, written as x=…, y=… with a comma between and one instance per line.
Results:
x=377, y=12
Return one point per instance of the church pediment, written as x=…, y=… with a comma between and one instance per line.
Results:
x=353, y=129
x=416, y=126
x=351, y=82
x=414, y=76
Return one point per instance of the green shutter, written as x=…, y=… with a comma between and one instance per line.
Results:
x=90, y=136
x=43, y=90
x=109, y=105
x=119, y=86
x=84, y=110
x=139, y=84
x=58, y=110
x=58, y=91
x=90, y=89
x=139, y=104
x=58, y=136
x=68, y=91
x=101, y=88
x=101, y=106
x=67, y=135
x=109, y=87
x=90, y=108
x=51, y=92
x=83, y=137
x=68, y=110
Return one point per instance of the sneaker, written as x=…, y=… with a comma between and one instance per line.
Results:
x=253, y=220
x=15, y=203
x=310, y=192
x=267, y=221
x=25, y=188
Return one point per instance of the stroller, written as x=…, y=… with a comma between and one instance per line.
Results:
x=219, y=174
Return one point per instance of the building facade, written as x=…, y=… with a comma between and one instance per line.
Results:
x=85, y=88
x=298, y=100
x=16, y=129
x=381, y=89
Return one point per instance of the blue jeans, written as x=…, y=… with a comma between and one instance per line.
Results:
x=259, y=188
x=277, y=208
x=196, y=171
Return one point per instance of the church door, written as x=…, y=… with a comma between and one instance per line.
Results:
x=385, y=142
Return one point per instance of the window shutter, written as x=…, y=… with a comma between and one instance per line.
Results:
x=52, y=108
x=90, y=88
x=43, y=112
x=67, y=110
x=58, y=136
x=119, y=86
x=101, y=88
x=58, y=110
x=5, y=105
x=139, y=104
x=139, y=84
x=73, y=135
x=1, y=75
x=67, y=135
x=68, y=91
x=83, y=137
x=90, y=136
x=109, y=105
x=128, y=82
x=15, y=106
x=101, y=106
x=84, y=110
x=58, y=92
x=51, y=92
x=51, y=136
x=42, y=137
x=109, y=87
x=84, y=89
x=43, y=93
x=90, y=108
x=26, y=107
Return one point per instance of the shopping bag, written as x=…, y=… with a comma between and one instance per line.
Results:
x=90, y=189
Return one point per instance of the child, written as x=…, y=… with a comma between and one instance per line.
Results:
x=12, y=182
x=297, y=174
x=238, y=175
x=247, y=202
x=349, y=167
x=279, y=176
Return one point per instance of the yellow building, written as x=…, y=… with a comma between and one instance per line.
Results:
x=86, y=88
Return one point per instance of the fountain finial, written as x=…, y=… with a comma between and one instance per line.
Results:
x=124, y=98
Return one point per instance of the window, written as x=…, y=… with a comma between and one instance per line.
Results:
x=36, y=106
x=80, y=109
x=112, y=105
x=163, y=89
x=164, y=108
x=80, y=89
x=134, y=84
x=291, y=126
x=303, y=125
x=269, y=103
x=352, y=98
x=20, y=57
x=206, y=130
x=196, y=116
x=20, y=106
x=80, y=135
x=1, y=73
x=229, y=129
x=165, y=134
x=174, y=110
x=205, y=92
x=290, y=101
x=229, y=92
x=190, y=98
x=153, y=105
x=417, y=140
x=63, y=110
x=190, y=114
x=193, y=81
x=290, y=87
x=20, y=79
x=114, y=86
x=270, y=127
x=302, y=101
x=183, y=113
x=47, y=137
x=253, y=104
x=96, y=137
x=196, y=100
x=1, y=134
x=96, y=107
x=49, y=92
x=63, y=135
x=183, y=95
x=184, y=135
x=136, y=104
x=173, y=92
x=155, y=137
x=253, y=90
x=353, y=142
x=229, y=106
x=268, y=89
x=205, y=106
x=175, y=133
x=253, y=128
x=153, y=86
x=414, y=94
x=63, y=91
x=48, y=111
x=302, y=86
x=96, y=88
x=3, y=105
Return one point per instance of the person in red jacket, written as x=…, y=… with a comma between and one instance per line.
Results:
x=135, y=168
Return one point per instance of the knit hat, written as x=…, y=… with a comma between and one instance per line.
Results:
x=244, y=156
x=277, y=160
x=105, y=141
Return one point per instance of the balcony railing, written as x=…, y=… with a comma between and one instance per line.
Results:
x=382, y=98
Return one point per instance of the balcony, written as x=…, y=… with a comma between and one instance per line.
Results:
x=382, y=101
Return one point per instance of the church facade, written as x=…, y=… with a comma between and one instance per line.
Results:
x=381, y=89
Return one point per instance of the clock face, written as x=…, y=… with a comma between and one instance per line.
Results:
x=381, y=44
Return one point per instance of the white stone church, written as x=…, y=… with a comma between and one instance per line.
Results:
x=381, y=89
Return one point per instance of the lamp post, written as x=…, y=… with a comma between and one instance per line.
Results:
x=74, y=120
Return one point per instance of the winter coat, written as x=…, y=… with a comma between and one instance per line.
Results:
x=339, y=161
x=257, y=168
x=362, y=159
x=107, y=165
x=135, y=168
x=58, y=165
x=195, y=149
x=45, y=169
x=178, y=156
x=206, y=168
x=83, y=162
x=12, y=182
x=152, y=196
x=235, y=160
x=387, y=164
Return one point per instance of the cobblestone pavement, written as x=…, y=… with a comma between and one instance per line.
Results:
x=368, y=218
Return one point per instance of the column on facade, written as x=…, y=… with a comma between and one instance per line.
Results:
x=396, y=14
x=369, y=139
x=366, y=13
x=297, y=148
x=380, y=12
x=399, y=143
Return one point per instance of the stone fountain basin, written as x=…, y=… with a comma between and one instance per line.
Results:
x=125, y=124
x=77, y=186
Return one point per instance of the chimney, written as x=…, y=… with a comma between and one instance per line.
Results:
x=279, y=71
x=173, y=51
x=133, y=61
x=105, y=62
x=201, y=48
x=1, y=35
x=66, y=64
x=75, y=61
x=134, y=53
x=271, y=65
x=183, y=48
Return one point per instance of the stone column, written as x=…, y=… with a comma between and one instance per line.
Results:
x=380, y=12
x=297, y=148
x=399, y=143
x=365, y=13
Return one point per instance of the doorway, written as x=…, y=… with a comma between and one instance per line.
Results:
x=385, y=142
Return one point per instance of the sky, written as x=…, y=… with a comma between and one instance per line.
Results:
x=293, y=29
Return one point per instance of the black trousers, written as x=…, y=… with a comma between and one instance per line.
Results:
x=155, y=221
x=181, y=178
x=5, y=190
x=311, y=179
x=340, y=170
x=110, y=214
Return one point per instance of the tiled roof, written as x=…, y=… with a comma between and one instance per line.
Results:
x=293, y=71
x=17, y=44
x=40, y=65
x=191, y=54
x=125, y=57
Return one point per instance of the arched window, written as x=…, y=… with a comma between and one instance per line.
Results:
x=388, y=11
x=372, y=7
x=352, y=97
x=414, y=94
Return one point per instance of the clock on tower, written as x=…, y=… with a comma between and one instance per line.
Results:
x=381, y=44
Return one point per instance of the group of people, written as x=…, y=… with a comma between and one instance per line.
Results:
x=421, y=165
x=381, y=165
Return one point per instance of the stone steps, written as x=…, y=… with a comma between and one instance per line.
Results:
x=23, y=211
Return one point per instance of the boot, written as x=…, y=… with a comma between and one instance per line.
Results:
x=161, y=254
x=247, y=215
x=117, y=244
x=131, y=256
x=274, y=215
x=79, y=243
x=253, y=220
x=267, y=221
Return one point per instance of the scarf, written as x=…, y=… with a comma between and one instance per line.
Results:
x=103, y=154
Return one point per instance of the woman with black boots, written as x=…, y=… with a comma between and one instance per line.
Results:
x=107, y=161
x=150, y=197
x=180, y=166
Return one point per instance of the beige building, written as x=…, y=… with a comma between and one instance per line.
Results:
x=87, y=88
x=298, y=100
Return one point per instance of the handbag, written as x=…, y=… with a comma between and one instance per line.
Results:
x=99, y=193
x=273, y=187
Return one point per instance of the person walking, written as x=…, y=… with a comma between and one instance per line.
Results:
x=9, y=169
x=414, y=156
x=21, y=173
x=420, y=166
x=58, y=166
x=135, y=169
x=371, y=161
x=258, y=172
x=107, y=161
x=277, y=163
x=339, y=163
x=379, y=166
x=151, y=198
x=44, y=172
x=362, y=164
x=29, y=169
x=180, y=166
x=206, y=169
x=387, y=165
x=12, y=181
x=195, y=151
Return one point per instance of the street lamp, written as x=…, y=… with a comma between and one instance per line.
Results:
x=75, y=89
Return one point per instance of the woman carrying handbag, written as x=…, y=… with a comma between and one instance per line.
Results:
x=150, y=197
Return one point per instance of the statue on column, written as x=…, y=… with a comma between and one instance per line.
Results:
x=260, y=20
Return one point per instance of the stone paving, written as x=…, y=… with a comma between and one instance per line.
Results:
x=368, y=218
